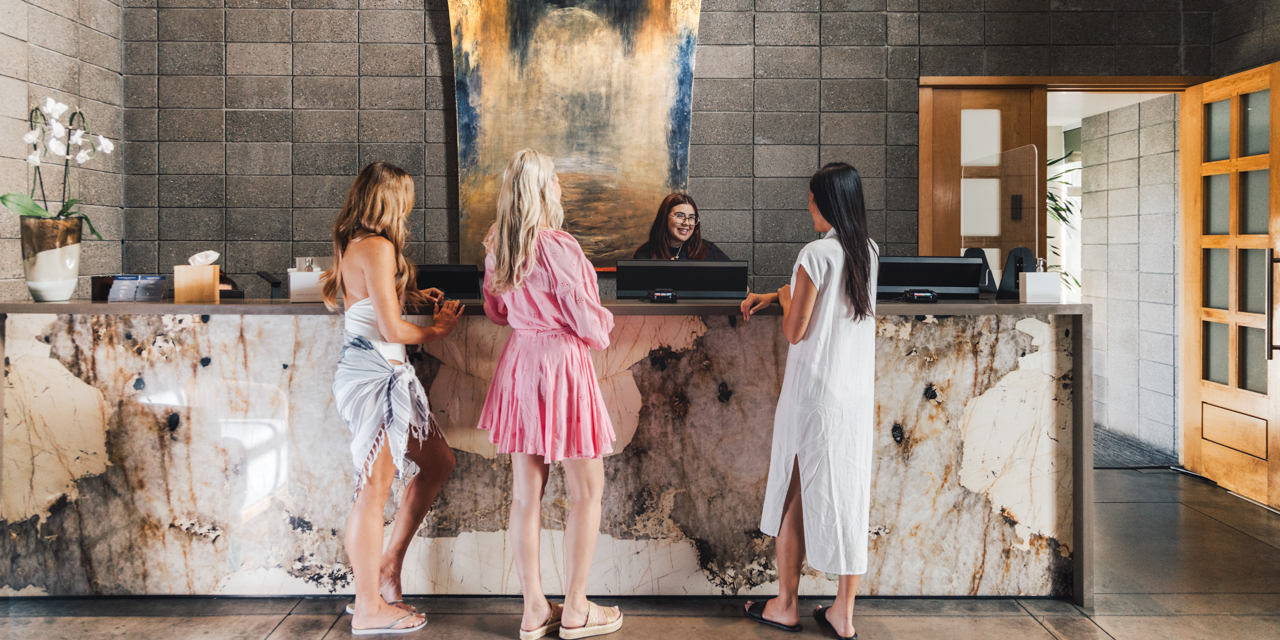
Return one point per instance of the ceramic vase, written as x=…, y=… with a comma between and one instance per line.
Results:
x=51, y=257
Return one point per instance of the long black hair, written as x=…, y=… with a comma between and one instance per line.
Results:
x=837, y=190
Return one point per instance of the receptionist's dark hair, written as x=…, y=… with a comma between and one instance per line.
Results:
x=837, y=190
x=659, y=243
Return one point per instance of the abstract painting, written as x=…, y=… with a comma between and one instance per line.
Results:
x=601, y=86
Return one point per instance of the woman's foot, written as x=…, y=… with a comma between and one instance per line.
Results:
x=577, y=616
x=536, y=613
x=381, y=614
x=843, y=628
x=776, y=611
x=389, y=587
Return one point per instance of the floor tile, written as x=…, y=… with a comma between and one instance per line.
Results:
x=1243, y=516
x=934, y=607
x=1073, y=628
x=303, y=627
x=251, y=627
x=951, y=628
x=322, y=605
x=1176, y=604
x=1191, y=627
x=153, y=606
x=1114, y=485
x=1040, y=607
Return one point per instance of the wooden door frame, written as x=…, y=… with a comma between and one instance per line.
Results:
x=1109, y=84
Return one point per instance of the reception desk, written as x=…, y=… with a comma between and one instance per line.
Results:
x=158, y=448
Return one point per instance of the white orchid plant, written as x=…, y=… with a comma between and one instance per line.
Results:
x=52, y=142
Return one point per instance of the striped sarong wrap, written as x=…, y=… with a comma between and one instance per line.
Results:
x=377, y=398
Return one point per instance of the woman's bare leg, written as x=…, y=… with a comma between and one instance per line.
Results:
x=528, y=481
x=840, y=615
x=585, y=481
x=435, y=462
x=789, y=544
x=364, y=548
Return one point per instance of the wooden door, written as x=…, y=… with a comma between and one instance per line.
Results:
x=1022, y=122
x=1230, y=174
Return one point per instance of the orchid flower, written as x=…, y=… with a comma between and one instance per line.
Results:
x=58, y=129
x=83, y=156
x=34, y=159
x=53, y=108
x=56, y=147
x=32, y=137
x=105, y=146
x=77, y=137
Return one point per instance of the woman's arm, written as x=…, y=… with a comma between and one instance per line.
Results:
x=797, y=306
x=377, y=258
x=756, y=302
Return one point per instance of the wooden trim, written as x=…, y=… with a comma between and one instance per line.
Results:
x=924, y=199
x=1191, y=151
x=1096, y=84
x=1040, y=138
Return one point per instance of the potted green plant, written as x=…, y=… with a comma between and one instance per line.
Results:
x=51, y=241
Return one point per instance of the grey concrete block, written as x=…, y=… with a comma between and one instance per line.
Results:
x=1156, y=347
x=263, y=191
x=140, y=58
x=140, y=191
x=190, y=191
x=951, y=61
x=328, y=159
x=259, y=126
x=728, y=5
x=726, y=226
x=1121, y=285
x=140, y=25
x=1093, y=231
x=869, y=160
x=1160, y=198
x=140, y=124
x=854, y=29
x=441, y=225
x=853, y=128
x=438, y=61
x=782, y=193
x=1159, y=138
x=714, y=161
x=901, y=128
x=721, y=193
x=1094, y=283
x=1080, y=28
x=1157, y=317
x=901, y=227
x=904, y=62
x=259, y=159
x=438, y=93
x=259, y=59
x=1082, y=60
x=249, y=257
x=139, y=157
x=438, y=193
x=728, y=61
x=951, y=29
x=784, y=226
x=53, y=70
x=314, y=225
x=786, y=95
x=788, y=5
x=101, y=15
x=902, y=162
x=259, y=92
x=101, y=85
x=1122, y=258
x=326, y=59
x=873, y=192
x=1159, y=169
x=853, y=62
x=391, y=126
x=392, y=26
x=853, y=95
x=140, y=257
x=788, y=62
x=903, y=95
x=906, y=250
x=1158, y=111
x=1148, y=60
x=392, y=93
x=1124, y=119
x=259, y=225
x=1156, y=287
x=100, y=49
x=202, y=158
x=437, y=128
x=15, y=59
x=903, y=29
x=775, y=258
x=1122, y=146
x=190, y=25
x=950, y=5
x=1149, y=27
x=391, y=60
x=1094, y=205
x=726, y=28
x=781, y=161
x=325, y=93
x=723, y=95
x=191, y=224
x=1121, y=229
x=1094, y=256
x=141, y=224
x=718, y=127
x=311, y=25
x=1017, y=28
x=1122, y=174
x=786, y=29
x=1094, y=153
x=1156, y=258
x=410, y=157
x=900, y=194
x=192, y=92
x=1157, y=229
x=786, y=128
x=1018, y=61
x=259, y=25
x=1198, y=60
x=438, y=29
x=1094, y=127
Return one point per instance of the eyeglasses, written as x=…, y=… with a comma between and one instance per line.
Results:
x=682, y=217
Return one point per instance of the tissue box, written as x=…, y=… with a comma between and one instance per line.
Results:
x=1040, y=286
x=304, y=286
x=195, y=284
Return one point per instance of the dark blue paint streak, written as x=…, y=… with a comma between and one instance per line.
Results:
x=681, y=112
x=466, y=84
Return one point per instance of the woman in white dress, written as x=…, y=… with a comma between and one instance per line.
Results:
x=819, y=491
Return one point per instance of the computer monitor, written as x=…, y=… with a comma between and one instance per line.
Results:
x=946, y=276
x=689, y=278
x=457, y=281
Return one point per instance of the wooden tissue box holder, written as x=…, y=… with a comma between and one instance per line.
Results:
x=195, y=284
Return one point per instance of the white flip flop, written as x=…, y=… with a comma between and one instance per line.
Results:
x=351, y=608
x=388, y=629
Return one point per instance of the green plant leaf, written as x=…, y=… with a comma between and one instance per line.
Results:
x=88, y=222
x=66, y=208
x=23, y=205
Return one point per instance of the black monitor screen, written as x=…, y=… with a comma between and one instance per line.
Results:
x=457, y=281
x=948, y=277
x=689, y=278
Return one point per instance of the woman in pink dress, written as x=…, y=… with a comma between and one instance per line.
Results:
x=544, y=404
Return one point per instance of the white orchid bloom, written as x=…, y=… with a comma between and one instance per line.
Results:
x=53, y=108
x=77, y=137
x=58, y=129
x=83, y=156
x=105, y=146
x=57, y=147
x=34, y=159
x=32, y=137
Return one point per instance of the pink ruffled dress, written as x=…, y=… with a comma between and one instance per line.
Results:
x=544, y=399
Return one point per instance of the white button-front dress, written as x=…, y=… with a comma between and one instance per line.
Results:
x=825, y=418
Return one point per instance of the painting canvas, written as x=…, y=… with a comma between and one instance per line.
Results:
x=601, y=86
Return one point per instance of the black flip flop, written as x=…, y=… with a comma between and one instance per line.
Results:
x=820, y=614
x=756, y=612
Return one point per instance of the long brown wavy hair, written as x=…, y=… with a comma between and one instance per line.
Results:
x=377, y=204
x=660, y=233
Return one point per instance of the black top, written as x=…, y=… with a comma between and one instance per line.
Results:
x=713, y=253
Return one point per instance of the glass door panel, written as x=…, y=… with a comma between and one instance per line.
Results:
x=1217, y=205
x=1253, y=359
x=1256, y=123
x=1253, y=280
x=1217, y=131
x=1216, y=352
x=1217, y=275
x=1255, y=191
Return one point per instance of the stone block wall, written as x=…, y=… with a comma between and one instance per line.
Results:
x=70, y=50
x=1130, y=259
x=1246, y=34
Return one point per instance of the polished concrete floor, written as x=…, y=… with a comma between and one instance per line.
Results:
x=1177, y=558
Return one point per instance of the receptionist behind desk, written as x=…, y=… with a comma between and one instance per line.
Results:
x=676, y=234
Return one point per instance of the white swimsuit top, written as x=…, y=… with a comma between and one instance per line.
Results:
x=361, y=321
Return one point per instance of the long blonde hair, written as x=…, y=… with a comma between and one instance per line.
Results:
x=377, y=204
x=524, y=207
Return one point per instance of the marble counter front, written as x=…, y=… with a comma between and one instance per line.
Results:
x=153, y=448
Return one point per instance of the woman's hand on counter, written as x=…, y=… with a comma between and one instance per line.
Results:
x=433, y=295
x=445, y=318
x=756, y=302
